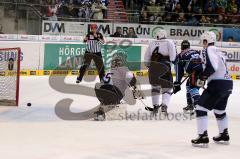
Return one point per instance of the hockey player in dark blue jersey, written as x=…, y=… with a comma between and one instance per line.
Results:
x=190, y=61
x=215, y=96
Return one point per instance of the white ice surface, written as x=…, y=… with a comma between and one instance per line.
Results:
x=37, y=133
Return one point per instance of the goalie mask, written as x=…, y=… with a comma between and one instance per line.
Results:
x=119, y=59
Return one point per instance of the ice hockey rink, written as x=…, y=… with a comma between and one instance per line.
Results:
x=37, y=133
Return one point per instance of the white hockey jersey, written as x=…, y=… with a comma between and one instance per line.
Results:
x=120, y=77
x=165, y=46
x=215, y=67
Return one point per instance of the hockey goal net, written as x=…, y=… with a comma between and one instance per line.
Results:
x=9, y=76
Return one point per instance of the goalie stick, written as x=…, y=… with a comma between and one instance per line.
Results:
x=137, y=93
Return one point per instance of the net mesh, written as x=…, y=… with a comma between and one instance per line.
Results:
x=9, y=74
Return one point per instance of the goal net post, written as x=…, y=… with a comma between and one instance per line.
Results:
x=9, y=76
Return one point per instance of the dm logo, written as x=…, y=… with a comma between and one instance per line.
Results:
x=155, y=30
x=54, y=27
x=102, y=28
x=217, y=32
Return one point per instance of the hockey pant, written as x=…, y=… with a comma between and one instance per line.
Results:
x=215, y=98
x=108, y=94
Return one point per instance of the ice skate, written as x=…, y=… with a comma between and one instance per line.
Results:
x=189, y=109
x=202, y=140
x=222, y=138
x=100, y=114
x=78, y=80
x=164, y=109
x=155, y=110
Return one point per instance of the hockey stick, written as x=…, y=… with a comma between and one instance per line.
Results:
x=137, y=93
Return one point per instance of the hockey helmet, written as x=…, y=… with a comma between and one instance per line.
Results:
x=209, y=37
x=185, y=45
x=161, y=34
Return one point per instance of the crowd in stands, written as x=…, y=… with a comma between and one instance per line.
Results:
x=131, y=33
x=190, y=12
x=187, y=12
x=82, y=9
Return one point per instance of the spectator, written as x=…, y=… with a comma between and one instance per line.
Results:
x=178, y=8
x=53, y=17
x=232, y=4
x=184, y=4
x=1, y=29
x=85, y=11
x=131, y=33
x=189, y=9
x=235, y=16
x=189, y=12
x=196, y=5
x=176, y=11
x=220, y=6
x=168, y=18
x=226, y=19
x=97, y=9
x=81, y=11
x=205, y=19
x=72, y=10
x=220, y=19
x=105, y=3
x=144, y=18
x=209, y=4
x=170, y=6
x=118, y=33
x=192, y=20
x=230, y=39
x=181, y=18
x=155, y=18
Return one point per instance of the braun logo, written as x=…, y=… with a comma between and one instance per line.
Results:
x=54, y=27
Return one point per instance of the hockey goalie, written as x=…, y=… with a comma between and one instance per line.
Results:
x=111, y=91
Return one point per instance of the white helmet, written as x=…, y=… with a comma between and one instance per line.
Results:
x=161, y=34
x=209, y=36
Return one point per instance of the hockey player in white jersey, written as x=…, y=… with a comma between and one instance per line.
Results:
x=158, y=57
x=215, y=96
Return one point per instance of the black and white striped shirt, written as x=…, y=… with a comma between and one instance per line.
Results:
x=94, y=44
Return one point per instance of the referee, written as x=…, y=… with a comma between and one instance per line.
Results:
x=94, y=42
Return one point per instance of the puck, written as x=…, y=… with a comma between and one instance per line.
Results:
x=29, y=104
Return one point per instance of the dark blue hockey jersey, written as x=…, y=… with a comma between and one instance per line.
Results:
x=189, y=61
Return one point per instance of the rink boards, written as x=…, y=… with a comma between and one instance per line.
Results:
x=44, y=58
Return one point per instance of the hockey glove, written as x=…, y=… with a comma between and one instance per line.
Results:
x=176, y=87
x=201, y=81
